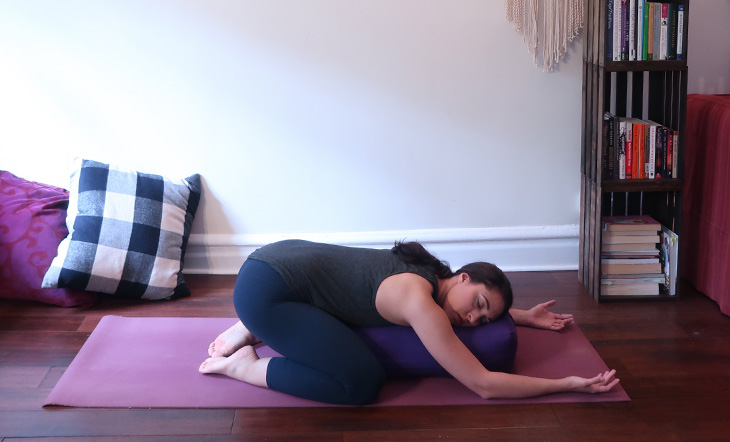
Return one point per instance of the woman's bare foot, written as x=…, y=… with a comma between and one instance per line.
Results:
x=231, y=340
x=243, y=365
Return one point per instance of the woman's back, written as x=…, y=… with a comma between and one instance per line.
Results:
x=340, y=280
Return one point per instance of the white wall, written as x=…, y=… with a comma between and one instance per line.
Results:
x=358, y=121
x=709, y=47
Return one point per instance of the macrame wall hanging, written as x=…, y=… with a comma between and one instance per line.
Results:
x=552, y=23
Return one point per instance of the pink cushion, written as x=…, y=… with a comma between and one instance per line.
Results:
x=32, y=224
x=705, y=236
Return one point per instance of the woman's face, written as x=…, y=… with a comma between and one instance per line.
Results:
x=468, y=304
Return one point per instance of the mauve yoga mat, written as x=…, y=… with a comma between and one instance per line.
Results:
x=153, y=363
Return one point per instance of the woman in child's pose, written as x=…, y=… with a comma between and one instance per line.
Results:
x=301, y=299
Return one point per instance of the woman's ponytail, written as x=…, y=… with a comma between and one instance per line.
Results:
x=415, y=253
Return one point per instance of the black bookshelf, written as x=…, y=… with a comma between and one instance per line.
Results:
x=653, y=90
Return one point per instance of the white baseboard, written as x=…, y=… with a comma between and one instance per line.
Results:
x=534, y=248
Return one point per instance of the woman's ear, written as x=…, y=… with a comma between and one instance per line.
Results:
x=463, y=277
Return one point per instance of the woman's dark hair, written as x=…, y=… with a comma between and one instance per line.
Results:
x=415, y=253
x=479, y=272
x=492, y=277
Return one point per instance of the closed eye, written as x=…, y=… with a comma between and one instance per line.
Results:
x=484, y=319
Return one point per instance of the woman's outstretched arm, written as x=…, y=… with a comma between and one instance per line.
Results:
x=436, y=333
x=408, y=302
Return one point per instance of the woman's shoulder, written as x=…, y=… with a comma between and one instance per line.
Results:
x=401, y=293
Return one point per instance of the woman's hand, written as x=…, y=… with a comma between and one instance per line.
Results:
x=540, y=317
x=602, y=383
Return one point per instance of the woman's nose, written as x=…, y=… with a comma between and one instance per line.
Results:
x=470, y=318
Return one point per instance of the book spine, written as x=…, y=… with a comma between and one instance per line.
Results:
x=647, y=160
x=642, y=150
x=636, y=151
x=617, y=18
x=667, y=133
x=675, y=154
x=672, y=45
x=663, y=42
x=649, y=30
x=621, y=149
x=680, y=32
x=652, y=151
x=670, y=153
x=629, y=150
x=611, y=147
x=659, y=153
x=645, y=32
x=624, y=30
x=657, y=29
x=609, y=30
x=604, y=145
x=640, y=30
x=632, y=30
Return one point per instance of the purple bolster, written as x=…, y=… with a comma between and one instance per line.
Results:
x=403, y=355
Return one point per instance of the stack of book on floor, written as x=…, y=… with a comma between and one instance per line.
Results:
x=630, y=256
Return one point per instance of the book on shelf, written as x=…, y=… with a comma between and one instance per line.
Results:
x=633, y=279
x=669, y=250
x=628, y=247
x=675, y=154
x=629, y=238
x=680, y=32
x=638, y=149
x=649, y=29
x=645, y=264
x=672, y=33
x=609, y=267
x=639, y=30
x=631, y=17
x=636, y=223
x=638, y=289
x=630, y=268
x=632, y=285
x=663, y=31
x=630, y=253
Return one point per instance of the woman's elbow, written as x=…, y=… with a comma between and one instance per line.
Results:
x=490, y=386
x=485, y=390
x=488, y=394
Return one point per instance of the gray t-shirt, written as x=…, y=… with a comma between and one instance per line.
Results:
x=340, y=280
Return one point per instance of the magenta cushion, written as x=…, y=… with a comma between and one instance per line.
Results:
x=32, y=224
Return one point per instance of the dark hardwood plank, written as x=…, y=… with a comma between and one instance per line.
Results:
x=660, y=412
x=303, y=420
x=22, y=376
x=19, y=398
x=40, y=323
x=309, y=437
x=107, y=422
x=635, y=433
x=40, y=347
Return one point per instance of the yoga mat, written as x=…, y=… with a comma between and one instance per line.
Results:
x=153, y=363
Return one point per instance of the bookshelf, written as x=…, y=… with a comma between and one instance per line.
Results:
x=648, y=90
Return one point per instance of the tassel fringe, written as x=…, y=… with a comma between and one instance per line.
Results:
x=555, y=23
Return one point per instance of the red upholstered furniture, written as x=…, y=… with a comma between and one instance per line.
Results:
x=705, y=239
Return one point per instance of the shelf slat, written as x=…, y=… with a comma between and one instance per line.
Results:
x=633, y=66
x=635, y=185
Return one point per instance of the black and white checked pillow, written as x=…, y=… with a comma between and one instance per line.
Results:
x=127, y=233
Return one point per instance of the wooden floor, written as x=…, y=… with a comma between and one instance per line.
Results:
x=673, y=359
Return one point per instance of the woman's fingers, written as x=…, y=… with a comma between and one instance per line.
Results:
x=607, y=379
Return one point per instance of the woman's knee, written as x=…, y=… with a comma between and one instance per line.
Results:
x=365, y=386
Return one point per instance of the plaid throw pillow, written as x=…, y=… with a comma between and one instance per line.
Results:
x=127, y=233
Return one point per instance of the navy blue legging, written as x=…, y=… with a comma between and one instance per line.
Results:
x=323, y=359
